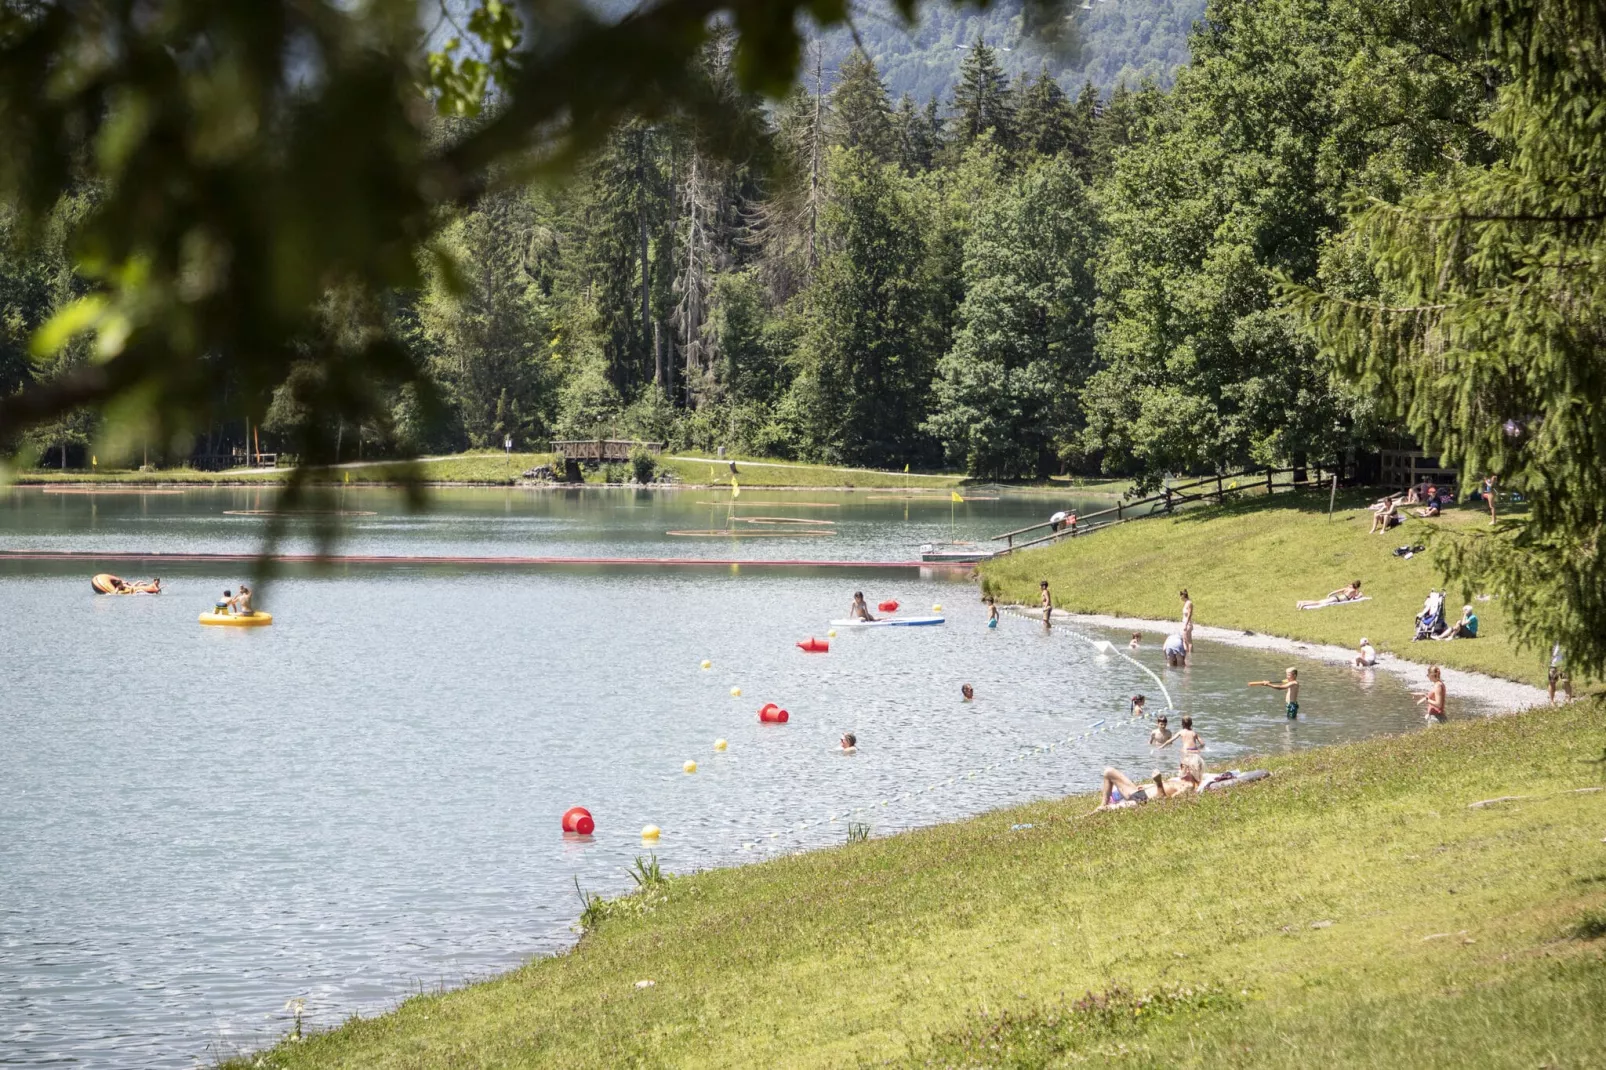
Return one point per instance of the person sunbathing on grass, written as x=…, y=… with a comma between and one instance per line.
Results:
x=1343, y=594
x=1120, y=788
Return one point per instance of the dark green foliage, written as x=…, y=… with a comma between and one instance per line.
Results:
x=1006, y=393
x=1472, y=306
x=982, y=103
x=868, y=347
x=861, y=116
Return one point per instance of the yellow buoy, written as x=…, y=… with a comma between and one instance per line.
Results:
x=689, y=767
x=831, y=634
x=937, y=608
x=720, y=744
x=736, y=692
x=650, y=832
x=707, y=664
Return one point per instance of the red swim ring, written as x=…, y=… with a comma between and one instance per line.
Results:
x=578, y=819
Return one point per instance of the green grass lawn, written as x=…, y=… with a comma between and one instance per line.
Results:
x=760, y=472
x=1351, y=911
x=1248, y=562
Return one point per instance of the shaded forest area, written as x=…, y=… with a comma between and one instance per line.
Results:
x=1012, y=279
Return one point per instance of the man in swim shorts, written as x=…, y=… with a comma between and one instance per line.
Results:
x=1047, y=602
x=1289, y=686
x=1176, y=652
x=859, y=611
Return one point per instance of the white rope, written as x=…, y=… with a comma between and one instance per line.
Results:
x=1104, y=646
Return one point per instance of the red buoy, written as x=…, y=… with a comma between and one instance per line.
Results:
x=812, y=645
x=887, y=607
x=773, y=714
x=578, y=819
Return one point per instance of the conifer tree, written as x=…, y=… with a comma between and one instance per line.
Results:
x=982, y=99
x=1044, y=116
x=861, y=116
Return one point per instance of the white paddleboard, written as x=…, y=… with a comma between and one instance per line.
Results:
x=888, y=622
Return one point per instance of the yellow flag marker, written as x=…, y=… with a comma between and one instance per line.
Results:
x=736, y=492
x=956, y=496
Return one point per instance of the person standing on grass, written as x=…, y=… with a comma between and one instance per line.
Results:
x=1187, y=623
x=1047, y=601
x=1435, y=695
x=1487, y=493
x=1559, y=675
x=1289, y=686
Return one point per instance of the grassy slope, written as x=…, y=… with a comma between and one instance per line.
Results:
x=1247, y=563
x=491, y=466
x=758, y=473
x=1449, y=937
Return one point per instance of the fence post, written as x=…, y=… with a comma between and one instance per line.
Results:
x=1269, y=488
x=1221, y=495
x=1118, y=516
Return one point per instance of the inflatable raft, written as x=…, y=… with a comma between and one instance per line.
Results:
x=900, y=622
x=106, y=583
x=232, y=620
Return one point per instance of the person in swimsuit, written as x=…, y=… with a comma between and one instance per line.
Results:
x=1137, y=706
x=1343, y=594
x=1192, y=742
x=858, y=610
x=1118, y=787
x=1487, y=493
x=1187, y=622
x=1289, y=686
x=1047, y=602
x=223, y=604
x=967, y=692
x=1176, y=652
x=850, y=743
x=1385, y=515
x=1435, y=695
x=1136, y=641
x=992, y=612
x=1559, y=675
x=241, y=603
x=1161, y=734
x=1366, y=657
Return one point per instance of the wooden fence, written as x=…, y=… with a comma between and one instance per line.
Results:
x=1217, y=488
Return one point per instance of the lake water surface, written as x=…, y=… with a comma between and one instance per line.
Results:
x=198, y=825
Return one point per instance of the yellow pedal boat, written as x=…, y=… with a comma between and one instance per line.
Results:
x=234, y=620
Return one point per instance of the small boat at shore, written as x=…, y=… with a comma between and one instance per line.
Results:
x=955, y=553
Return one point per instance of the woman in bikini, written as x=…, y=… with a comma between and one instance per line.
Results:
x=1119, y=788
x=1435, y=695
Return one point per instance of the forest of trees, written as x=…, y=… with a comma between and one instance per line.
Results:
x=1011, y=279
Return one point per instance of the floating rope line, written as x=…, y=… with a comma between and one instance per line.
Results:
x=1104, y=646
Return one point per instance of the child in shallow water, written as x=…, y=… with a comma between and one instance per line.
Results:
x=1161, y=734
x=1137, y=706
x=1136, y=641
x=1289, y=686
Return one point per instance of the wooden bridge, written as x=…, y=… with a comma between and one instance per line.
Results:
x=1215, y=488
x=601, y=450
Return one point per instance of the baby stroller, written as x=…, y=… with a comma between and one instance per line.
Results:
x=1430, y=622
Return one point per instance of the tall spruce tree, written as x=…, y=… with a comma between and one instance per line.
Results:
x=1044, y=116
x=982, y=99
x=861, y=116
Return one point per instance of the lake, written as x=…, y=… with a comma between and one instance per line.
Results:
x=363, y=800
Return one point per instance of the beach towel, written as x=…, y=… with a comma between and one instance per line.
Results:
x=1324, y=603
x=1232, y=778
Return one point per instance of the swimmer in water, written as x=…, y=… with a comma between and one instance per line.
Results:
x=850, y=743
x=1136, y=641
x=1192, y=742
x=1161, y=734
x=1289, y=686
x=992, y=612
x=1137, y=706
x=859, y=611
x=967, y=691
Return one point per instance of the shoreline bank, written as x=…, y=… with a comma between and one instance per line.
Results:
x=1507, y=695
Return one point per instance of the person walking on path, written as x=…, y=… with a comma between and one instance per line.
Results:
x=1187, y=623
